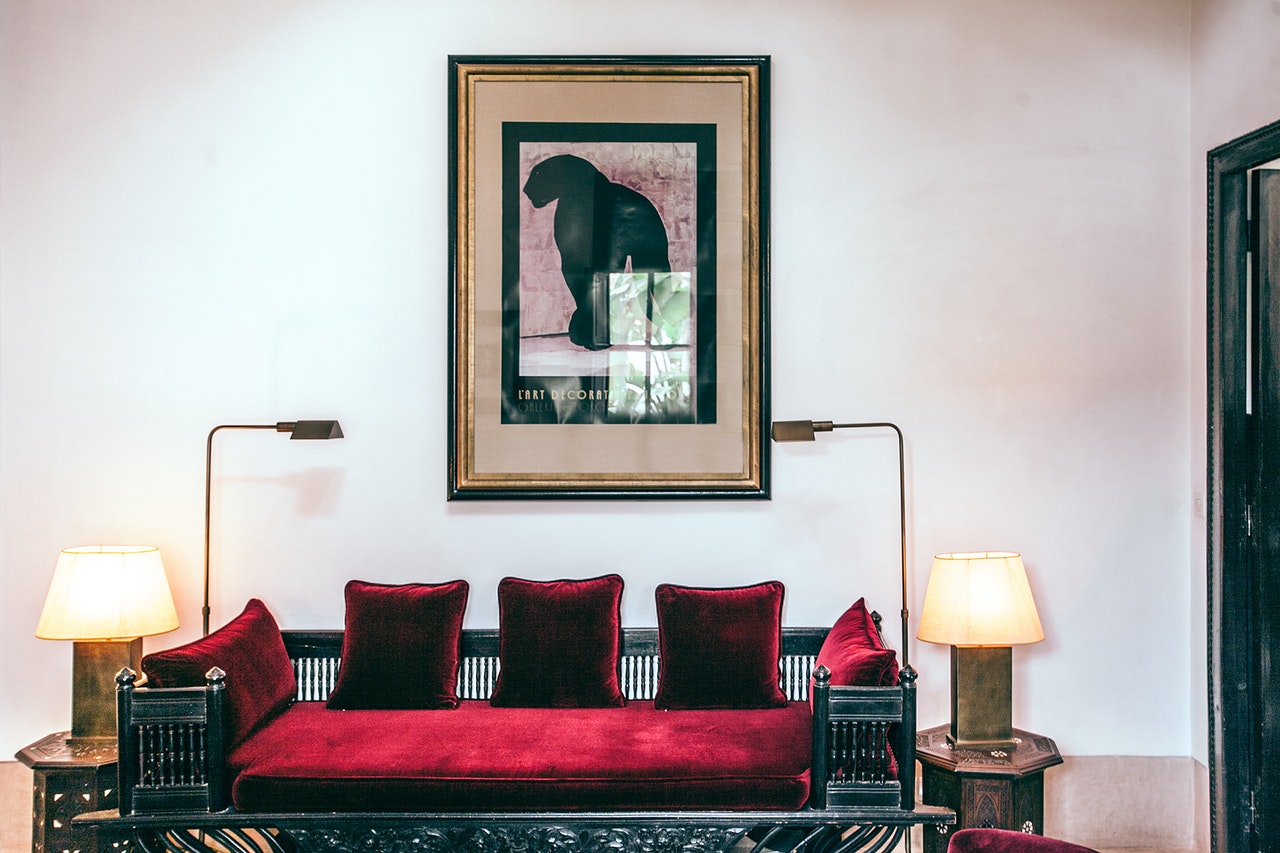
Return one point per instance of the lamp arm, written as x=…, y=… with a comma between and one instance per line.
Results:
x=295, y=429
x=208, y=490
x=804, y=431
x=902, y=518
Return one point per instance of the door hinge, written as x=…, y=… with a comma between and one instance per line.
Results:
x=1254, y=834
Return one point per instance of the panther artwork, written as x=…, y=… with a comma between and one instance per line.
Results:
x=599, y=224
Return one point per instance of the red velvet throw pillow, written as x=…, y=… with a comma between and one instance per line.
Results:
x=983, y=840
x=854, y=652
x=558, y=643
x=400, y=646
x=260, y=679
x=719, y=648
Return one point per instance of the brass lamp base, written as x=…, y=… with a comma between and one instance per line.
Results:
x=93, y=686
x=981, y=697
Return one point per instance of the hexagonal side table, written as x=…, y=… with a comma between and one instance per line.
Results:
x=997, y=788
x=70, y=779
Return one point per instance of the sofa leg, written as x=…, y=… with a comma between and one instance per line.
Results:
x=221, y=840
x=827, y=838
x=858, y=839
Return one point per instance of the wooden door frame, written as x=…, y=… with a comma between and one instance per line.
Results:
x=1228, y=616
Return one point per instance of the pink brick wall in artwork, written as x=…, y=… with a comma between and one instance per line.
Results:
x=665, y=172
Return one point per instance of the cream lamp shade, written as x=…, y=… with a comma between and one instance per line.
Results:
x=106, y=598
x=979, y=599
x=980, y=605
x=107, y=592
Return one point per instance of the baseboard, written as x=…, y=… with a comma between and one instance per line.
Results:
x=1110, y=801
x=1202, y=806
x=15, y=807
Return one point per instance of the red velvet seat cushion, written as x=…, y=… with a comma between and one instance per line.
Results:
x=719, y=648
x=854, y=652
x=558, y=643
x=1008, y=841
x=481, y=758
x=249, y=648
x=401, y=646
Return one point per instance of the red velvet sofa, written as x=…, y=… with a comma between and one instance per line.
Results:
x=717, y=721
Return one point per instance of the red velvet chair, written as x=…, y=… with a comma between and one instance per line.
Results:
x=1008, y=841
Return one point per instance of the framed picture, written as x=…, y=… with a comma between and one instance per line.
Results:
x=609, y=264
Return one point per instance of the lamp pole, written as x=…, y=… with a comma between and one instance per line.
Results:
x=305, y=430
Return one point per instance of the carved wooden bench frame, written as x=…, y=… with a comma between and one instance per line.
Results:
x=173, y=788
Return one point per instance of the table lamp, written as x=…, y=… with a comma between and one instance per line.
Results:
x=106, y=598
x=980, y=604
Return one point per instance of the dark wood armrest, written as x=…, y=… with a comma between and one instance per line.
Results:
x=858, y=734
x=172, y=745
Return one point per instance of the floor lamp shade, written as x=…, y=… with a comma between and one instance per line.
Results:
x=105, y=598
x=311, y=430
x=980, y=604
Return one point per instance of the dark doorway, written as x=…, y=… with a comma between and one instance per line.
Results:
x=1244, y=493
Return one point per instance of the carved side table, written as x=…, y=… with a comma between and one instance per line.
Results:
x=996, y=789
x=70, y=779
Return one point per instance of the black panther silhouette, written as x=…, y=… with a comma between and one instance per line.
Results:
x=598, y=225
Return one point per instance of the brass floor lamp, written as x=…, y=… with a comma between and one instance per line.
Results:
x=304, y=430
x=807, y=431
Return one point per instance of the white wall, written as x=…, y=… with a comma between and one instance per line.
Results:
x=236, y=212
